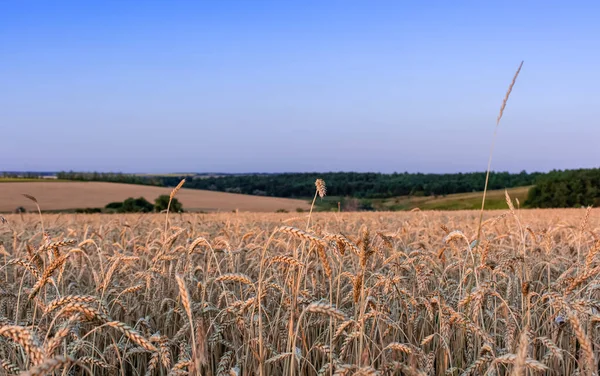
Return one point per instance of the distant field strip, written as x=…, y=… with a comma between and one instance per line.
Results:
x=72, y=195
x=460, y=201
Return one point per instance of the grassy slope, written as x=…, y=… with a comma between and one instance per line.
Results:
x=461, y=201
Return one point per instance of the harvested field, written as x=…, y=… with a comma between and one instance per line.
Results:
x=74, y=195
x=265, y=294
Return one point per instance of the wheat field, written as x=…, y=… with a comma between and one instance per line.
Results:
x=280, y=294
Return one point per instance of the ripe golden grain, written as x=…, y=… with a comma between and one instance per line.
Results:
x=123, y=297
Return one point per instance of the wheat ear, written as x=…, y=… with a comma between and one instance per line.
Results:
x=48, y=366
x=25, y=338
x=487, y=174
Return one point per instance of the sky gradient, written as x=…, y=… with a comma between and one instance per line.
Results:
x=273, y=86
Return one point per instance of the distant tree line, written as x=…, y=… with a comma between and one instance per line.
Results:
x=555, y=189
x=359, y=185
x=566, y=189
x=351, y=184
x=110, y=177
x=24, y=174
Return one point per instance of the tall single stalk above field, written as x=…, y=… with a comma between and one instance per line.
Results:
x=487, y=174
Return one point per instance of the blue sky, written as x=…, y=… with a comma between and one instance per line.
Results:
x=239, y=86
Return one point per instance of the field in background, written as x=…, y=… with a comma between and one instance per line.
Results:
x=407, y=293
x=62, y=195
x=495, y=199
x=75, y=195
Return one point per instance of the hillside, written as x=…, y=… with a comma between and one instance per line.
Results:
x=365, y=185
x=73, y=195
x=466, y=201
x=460, y=201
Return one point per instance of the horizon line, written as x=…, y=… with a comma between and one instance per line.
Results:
x=284, y=172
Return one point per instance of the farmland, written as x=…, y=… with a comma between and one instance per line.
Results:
x=73, y=195
x=407, y=293
x=495, y=199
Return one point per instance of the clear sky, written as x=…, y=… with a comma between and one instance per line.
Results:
x=271, y=86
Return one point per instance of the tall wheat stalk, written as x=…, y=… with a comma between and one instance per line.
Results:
x=487, y=174
x=321, y=190
x=35, y=201
x=173, y=193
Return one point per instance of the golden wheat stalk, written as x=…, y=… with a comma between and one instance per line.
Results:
x=93, y=361
x=553, y=349
x=278, y=357
x=401, y=347
x=27, y=265
x=92, y=313
x=584, y=341
x=366, y=249
x=342, y=243
x=357, y=286
x=132, y=289
x=521, y=358
x=291, y=261
x=9, y=367
x=321, y=187
x=35, y=201
x=49, y=366
x=53, y=343
x=25, y=338
x=296, y=232
x=487, y=175
x=325, y=309
x=509, y=202
x=185, y=301
x=324, y=260
x=176, y=189
x=530, y=363
x=342, y=327
x=57, y=303
x=57, y=263
x=235, y=277
x=171, y=196
x=165, y=352
x=196, y=243
x=224, y=364
x=56, y=245
x=133, y=335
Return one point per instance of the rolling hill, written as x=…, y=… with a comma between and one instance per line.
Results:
x=460, y=201
x=74, y=195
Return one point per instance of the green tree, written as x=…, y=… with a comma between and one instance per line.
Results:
x=143, y=205
x=566, y=189
x=114, y=206
x=131, y=205
x=162, y=202
x=341, y=184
